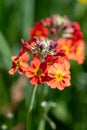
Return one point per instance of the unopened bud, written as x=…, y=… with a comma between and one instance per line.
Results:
x=53, y=30
x=35, y=38
x=61, y=53
x=53, y=44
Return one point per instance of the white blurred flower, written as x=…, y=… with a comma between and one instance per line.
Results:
x=43, y=104
x=10, y=115
x=4, y=127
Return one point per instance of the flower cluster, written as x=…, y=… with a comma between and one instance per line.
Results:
x=53, y=42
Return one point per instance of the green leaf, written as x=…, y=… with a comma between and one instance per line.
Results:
x=61, y=112
x=79, y=10
x=5, y=52
x=28, y=16
x=3, y=92
x=28, y=89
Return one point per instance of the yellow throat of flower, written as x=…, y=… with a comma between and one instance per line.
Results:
x=38, y=33
x=38, y=72
x=18, y=63
x=59, y=76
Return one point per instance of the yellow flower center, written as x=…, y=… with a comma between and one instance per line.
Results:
x=38, y=33
x=18, y=63
x=59, y=76
x=38, y=72
x=66, y=49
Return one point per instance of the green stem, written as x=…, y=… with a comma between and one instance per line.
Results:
x=30, y=106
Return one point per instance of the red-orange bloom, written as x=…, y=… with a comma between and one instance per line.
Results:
x=59, y=76
x=73, y=50
x=36, y=71
x=39, y=30
x=66, y=45
x=79, y=56
x=19, y=63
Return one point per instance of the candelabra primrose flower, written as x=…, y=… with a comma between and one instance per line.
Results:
x=36, y=71
x=59, y=76
x=19, y=63
x=53, y=42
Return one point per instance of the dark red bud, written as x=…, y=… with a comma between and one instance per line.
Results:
x=61, y=53
x=53, y=30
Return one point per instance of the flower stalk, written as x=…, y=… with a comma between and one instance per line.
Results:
x=30, y=107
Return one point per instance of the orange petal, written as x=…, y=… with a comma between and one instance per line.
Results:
x=25, y=57
x=12, y=71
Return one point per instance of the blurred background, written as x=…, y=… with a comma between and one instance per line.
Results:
x=54, y=109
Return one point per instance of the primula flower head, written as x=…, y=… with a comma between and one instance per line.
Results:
x=59, y=77
x=36, y=71
x=53, y=42
x=19, y=63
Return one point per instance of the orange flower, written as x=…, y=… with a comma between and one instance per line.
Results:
x=68, y=46
x=73, y=50
x=65, y=44
x=80, y=52
x=38, y=30
x=19, y=63
x=36, y=71
x=59, y=76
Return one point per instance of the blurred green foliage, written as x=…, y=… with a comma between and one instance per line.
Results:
x=70, y=111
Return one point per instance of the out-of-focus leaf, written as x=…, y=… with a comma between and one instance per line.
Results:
x=28, y=16
x=79, y=10
x=3, y=92
x=81, y=80
x=61, y=112
x=5, y=52
x=62, y=7
x=28, y=89
x=42, y=9
x=41, y=124
x=14, y=22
